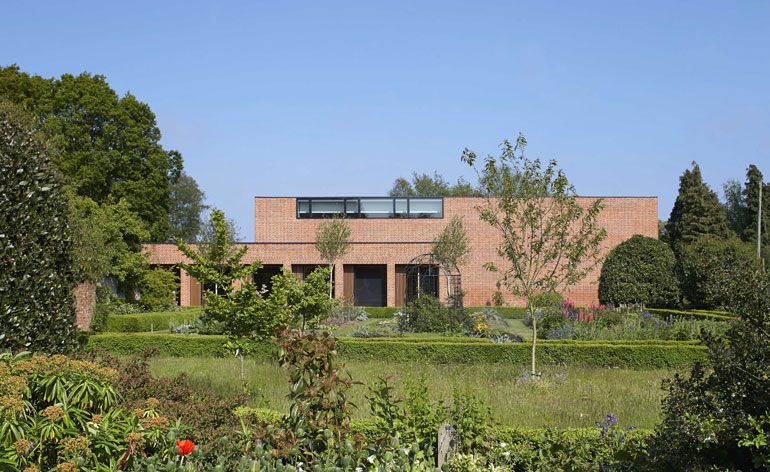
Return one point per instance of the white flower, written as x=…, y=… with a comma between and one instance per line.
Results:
x=507, y=454
x=359, y=469
x=503, y=445
x=371, y=459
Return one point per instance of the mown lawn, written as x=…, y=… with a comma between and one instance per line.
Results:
x=568, y=397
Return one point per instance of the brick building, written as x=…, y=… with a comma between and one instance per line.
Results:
x=387, y=234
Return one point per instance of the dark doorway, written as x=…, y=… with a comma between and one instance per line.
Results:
x=370, y=286
x=263, y=277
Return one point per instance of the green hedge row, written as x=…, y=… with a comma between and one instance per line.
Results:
x=693, y=314
x=509, y=312
x=144, y=322
x=627, y=354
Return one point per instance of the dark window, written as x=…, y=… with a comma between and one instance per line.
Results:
x=370, y=286
x=416, y=207
x=263, y=277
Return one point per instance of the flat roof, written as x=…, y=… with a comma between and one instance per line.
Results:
x=342, y=197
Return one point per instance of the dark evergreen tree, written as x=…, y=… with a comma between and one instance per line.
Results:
x=697, y=210
x=751, y=198
x=186, y=208
x=37, y=310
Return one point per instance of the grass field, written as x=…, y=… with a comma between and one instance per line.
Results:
x=568, y=397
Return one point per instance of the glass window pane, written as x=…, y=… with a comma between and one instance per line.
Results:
x=401, y=206
x=352, y=206
x=425, y=208
x=303, y=207
x=376, y=207
x=328, y=207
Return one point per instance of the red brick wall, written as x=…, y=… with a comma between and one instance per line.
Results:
x=281, y=238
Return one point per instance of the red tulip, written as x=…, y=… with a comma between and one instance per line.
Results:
x=185, y=447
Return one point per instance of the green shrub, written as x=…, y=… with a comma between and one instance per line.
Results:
x=712, y=270
x=639, y=270
x=56, y=413
x=650, y=354
x=426, y=314
x=36, y=258
x=158, y=289
x=144, y=322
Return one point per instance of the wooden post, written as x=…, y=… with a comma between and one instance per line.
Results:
x=448, y=440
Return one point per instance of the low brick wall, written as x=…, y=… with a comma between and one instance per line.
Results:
x=85, y=303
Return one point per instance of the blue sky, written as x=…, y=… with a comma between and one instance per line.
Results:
x=330, y=98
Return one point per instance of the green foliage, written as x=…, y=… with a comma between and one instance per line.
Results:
x=696, y=212
x=61, y=413
x=158, y=289
x=146, y=322
x=37, y=311
x=426, y=314
x=425, y=185
x=185, y=208
x=546, y=300
x=711, y=270
x=713, y=417
x=640, y=270
x=450, y=247
x=651, y=354
x=251, y=314
x=109, y=145
x=217, y=263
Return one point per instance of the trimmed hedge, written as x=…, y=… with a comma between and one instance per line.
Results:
x=693, y=314
x=627, y=354
x=144, y=322
x=509, y=312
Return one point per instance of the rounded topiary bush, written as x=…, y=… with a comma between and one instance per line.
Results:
x=640, y=270
x=713, y=271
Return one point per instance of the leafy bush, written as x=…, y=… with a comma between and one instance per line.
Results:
x=426, y=314
x=36, y=272
x=712, y=269
x=715, y=418
x=158, y=289
x=639, y=270
x=59, y=413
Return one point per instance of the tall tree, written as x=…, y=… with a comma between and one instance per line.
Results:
x=217, y=263
x=451, y=249
x=426, y=185
x=332, y=241
x=751, y=190
x=109, y=146
x=735, y=206
x=697, y=210
x=186, y=208
x=37, y=310
x=549, y=241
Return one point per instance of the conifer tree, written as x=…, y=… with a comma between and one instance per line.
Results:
x=697, y=210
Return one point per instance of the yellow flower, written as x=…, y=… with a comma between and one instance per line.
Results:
x=53, y=413
x=22, y=446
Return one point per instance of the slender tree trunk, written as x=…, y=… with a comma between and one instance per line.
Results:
x=331, y=280
x=534, y=339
